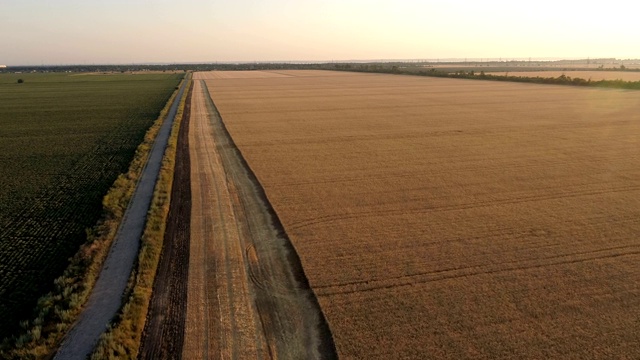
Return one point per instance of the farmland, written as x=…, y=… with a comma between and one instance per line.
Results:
x=63, y=141
x=451, y=218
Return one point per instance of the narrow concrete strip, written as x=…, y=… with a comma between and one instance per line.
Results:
x=106, y=298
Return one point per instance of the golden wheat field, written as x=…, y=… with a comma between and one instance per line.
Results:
x=593, y=75
x=446, y=218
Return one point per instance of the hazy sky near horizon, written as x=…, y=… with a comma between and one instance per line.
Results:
x=136, y=31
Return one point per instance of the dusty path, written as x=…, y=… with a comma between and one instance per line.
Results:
x=105, y=299
x=163, y=334
x=247, y=297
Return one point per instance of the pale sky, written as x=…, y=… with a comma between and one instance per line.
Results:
x=137, y=31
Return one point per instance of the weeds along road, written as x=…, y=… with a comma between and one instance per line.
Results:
x=247, y=297
x=105, y=299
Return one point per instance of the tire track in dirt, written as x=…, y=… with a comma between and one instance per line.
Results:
x=218, y=290
x=164, y=329
x=245, y=278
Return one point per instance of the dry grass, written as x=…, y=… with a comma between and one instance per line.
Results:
x=593, y=75
x=453, y=218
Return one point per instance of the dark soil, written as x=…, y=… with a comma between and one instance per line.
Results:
x=164, y=330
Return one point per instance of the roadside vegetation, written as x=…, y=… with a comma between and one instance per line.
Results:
x=65, y=140
x=122, y=340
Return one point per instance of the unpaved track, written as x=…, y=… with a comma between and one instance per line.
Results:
x=164, y=329
x=247, y=297
x=105, y=299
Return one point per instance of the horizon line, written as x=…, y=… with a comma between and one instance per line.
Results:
x=417, y=60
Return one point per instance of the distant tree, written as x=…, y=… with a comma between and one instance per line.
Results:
x=20, y=81
x=622, y=67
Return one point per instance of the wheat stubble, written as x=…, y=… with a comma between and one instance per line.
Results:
x=453, y=218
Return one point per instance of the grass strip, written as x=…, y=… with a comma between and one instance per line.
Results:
x=475, y=75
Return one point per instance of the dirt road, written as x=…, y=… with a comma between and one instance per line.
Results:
x=247, y=296
x=105, y=299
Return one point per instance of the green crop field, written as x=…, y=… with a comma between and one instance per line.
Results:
x=63, y=141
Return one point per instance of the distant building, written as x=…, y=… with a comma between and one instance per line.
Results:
x=3, y=66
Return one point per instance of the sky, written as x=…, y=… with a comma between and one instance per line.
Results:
x=143, y=31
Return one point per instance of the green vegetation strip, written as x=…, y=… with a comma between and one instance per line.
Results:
x=480, y=75
x=122, y=340
x=57, y=310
